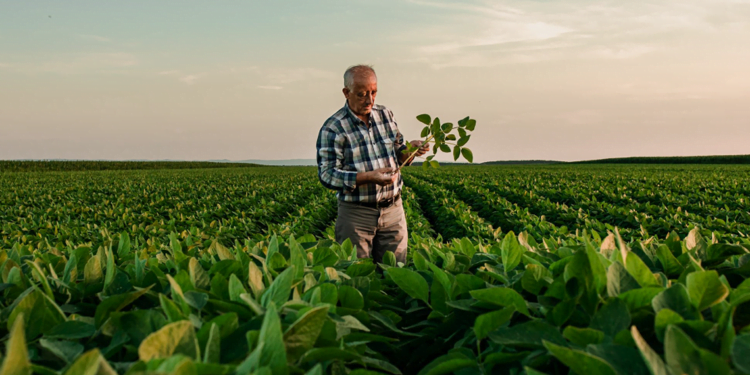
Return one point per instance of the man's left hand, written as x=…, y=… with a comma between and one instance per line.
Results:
x=423, y=147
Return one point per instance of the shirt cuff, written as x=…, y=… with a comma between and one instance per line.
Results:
x=350, y=181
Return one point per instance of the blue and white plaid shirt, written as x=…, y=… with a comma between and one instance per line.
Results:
x=347, y=146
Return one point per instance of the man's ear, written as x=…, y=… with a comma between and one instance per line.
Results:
x=345, y=90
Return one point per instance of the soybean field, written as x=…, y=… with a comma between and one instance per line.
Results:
x=543, y=269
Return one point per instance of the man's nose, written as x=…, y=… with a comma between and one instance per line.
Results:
x=369, y=98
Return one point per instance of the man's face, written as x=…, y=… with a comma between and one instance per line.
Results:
x=361, y=96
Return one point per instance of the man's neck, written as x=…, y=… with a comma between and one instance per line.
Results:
x=365, y=119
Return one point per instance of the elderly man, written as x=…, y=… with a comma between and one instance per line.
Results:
x=359, y=151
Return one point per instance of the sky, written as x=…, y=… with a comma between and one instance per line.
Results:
x=198, y=80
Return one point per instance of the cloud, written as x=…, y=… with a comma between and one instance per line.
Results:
x=189, y=79
x=77, y=63
x=620, y=52
x=270, y=87
x=280, y=76
x=96, y=38
x=485, y=33
x=168, y=72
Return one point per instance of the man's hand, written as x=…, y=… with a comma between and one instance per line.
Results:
x=382, y=177
x=423, y=147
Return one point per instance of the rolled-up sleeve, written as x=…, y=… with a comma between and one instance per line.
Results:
x=330, y=158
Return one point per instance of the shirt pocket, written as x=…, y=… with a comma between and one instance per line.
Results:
x=356, y=154
x=388, y=152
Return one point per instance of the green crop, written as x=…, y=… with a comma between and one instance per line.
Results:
x=511, y=270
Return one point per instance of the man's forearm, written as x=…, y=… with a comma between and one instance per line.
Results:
x=364, y=178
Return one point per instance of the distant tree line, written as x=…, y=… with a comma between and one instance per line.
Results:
x=96, y=165
x=714, y=159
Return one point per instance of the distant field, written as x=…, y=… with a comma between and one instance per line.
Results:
x=546, y=268
x=84, y=165
x=717, y=159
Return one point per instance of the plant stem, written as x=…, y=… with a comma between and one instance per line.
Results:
x=413, y=153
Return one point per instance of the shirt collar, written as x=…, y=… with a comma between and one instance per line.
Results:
x=354, y=117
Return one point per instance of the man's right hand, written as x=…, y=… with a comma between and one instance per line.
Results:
x=383, y=176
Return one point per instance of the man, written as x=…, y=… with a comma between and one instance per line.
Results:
x=359, y=150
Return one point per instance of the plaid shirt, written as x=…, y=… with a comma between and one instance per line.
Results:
x=347, y=146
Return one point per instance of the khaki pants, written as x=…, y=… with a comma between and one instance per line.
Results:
x=373, y=231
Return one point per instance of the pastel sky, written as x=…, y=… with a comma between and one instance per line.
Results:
x=200, y=80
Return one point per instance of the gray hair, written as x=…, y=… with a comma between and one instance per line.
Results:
x=356, y=69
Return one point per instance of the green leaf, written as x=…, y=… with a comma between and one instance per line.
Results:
x=16, y=359
x=619, y=280
x=638, y=298
x=654, y=363
x=456, y=152
x=488, y=322
x=511, y=252
x=445, y=148
x=435, y=127
x=663, y=319
x=466, y=153
x=410, y=282
x=462, y=122
x=448, y=364
x=503, y=297
x=65, y=350
x=424, y=118
x=447, y=127
x=327, y=354
x=91, y=363
x=174, y=338
x=71, y=330
x=463, y=140
x=740, y=350
x=705, y=289
x=92, y=272
x=425, y=132
x=123, y=246
x=111, y=270
x=583, y=336
x=471, y=124
x=625, y=360
x=676, y=299
x=681, y=353
x=352, y=298
x=198, y=275
x=578, y=361
x=236, y=288
x=212, y=352
x=718, y=252
x=40, y=310
x=116, y=303
x=302, y=334
x=273, y=354
x=527, y=335
x=170, y=309
x=670, y=264
x=640, y=271
x=280, y=289
x=535, y=278
x=611, y=318
x=450, y=137
x=434, y=164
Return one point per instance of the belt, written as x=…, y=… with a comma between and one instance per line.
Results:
x=382, y=204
